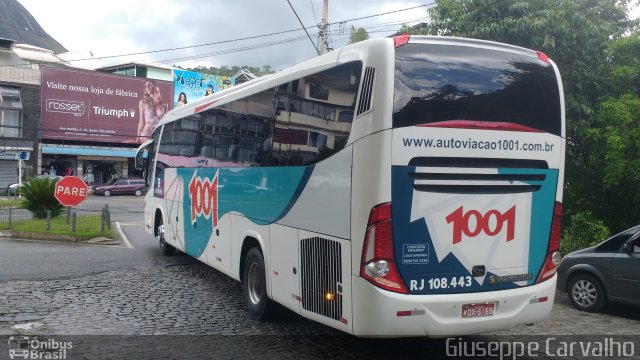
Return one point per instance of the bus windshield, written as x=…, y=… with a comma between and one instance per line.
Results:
x=435, y=83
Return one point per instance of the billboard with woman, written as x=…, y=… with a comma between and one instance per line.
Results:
x=94, y=106
x=190, y=85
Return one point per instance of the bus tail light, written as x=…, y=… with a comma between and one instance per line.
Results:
x=553, y=253
x=542, y=56
x=378, y=262
x=401, y=40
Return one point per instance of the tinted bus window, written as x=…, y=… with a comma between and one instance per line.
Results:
x=436, y=83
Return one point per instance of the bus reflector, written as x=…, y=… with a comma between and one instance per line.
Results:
x=553, y=253
x=410, y=312
x=401, y=40
x=378, y=261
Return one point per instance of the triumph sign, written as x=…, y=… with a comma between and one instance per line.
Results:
x=94, y=106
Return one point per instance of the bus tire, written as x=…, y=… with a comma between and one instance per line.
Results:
x=255, y=286
x=165, y=249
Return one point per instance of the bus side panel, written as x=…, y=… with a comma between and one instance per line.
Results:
x=242, y=228
x=371, y=186
x=196, y=223
x=219, y=246
x=324, y=203
x=169, y=192
x=283, y=249
x=325, y=282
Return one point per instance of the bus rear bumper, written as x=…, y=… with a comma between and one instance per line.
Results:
x=380, y=313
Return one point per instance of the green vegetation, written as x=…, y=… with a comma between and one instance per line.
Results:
x=10, y=202
x=28, y=217
x=87, y=227
x=597, y=50
x=39, y=197
x=584, y=230
x=357, y=35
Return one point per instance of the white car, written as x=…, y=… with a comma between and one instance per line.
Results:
x=13, y=188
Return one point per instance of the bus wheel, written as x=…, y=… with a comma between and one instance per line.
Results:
x=255, y=286
x=165, y=249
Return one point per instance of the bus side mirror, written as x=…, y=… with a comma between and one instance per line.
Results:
x=139, y=161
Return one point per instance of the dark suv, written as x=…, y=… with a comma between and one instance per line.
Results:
x=607, y=272
x=121, y=186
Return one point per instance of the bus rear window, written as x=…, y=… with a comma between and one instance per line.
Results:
x=435, y=83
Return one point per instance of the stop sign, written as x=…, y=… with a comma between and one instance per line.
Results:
x=71, y=191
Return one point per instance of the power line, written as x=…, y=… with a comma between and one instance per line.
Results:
x=385, y=13
x=305, y=29
x=228, y=51
x=368, y=27
x=315, y=19
x=248, y=37
x=186, y=47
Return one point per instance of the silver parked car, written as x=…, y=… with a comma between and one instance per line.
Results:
x=12, y=189
x=609, y=271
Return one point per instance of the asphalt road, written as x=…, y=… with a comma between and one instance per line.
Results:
x=45, y=260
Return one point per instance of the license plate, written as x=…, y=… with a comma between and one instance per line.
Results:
x=478, y=310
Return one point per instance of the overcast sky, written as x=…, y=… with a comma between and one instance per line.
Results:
x=130, y=26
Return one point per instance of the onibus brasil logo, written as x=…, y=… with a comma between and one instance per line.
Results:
x=24, y=347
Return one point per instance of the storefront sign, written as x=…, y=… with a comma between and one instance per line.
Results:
x=94, y=106
x=14, y=155
x=194, y=85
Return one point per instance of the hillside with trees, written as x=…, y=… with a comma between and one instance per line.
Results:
x=230, y=71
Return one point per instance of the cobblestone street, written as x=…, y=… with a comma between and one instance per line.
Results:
x=179, y=296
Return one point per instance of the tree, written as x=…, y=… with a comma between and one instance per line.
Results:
x=39, y=197
x=358, y=35
x=612, y=142
x=573, y=33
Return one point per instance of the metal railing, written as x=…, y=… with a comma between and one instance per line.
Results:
x=68, y=221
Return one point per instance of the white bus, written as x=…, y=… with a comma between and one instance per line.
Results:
x=407, y=186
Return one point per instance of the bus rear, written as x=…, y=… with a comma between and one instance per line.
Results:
x=469, y=242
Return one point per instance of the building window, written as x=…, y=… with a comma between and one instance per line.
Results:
x=10, y=112
x=319, y=92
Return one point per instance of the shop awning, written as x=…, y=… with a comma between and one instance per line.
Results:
x=89, y=151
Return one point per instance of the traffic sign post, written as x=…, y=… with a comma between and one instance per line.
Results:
x=71, y=191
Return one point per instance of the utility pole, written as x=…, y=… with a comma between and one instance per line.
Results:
x=324, y=28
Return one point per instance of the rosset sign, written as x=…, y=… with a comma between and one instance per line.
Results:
x=94, y=106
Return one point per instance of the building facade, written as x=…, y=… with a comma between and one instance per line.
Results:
x=19, y=115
